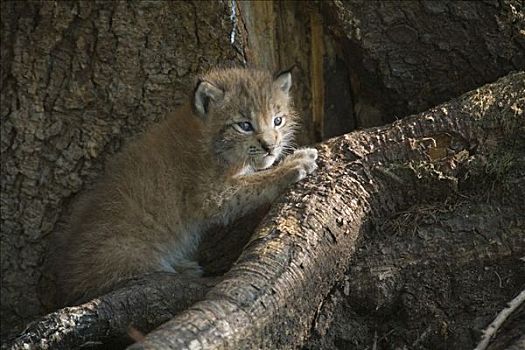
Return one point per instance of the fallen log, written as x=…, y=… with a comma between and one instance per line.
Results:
x=270, y=297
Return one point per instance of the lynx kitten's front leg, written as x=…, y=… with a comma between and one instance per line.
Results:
x=263, y=187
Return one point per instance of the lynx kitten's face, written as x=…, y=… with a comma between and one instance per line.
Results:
x=248, y=116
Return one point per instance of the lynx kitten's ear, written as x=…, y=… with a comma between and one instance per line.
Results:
x=204, y=94
x=284, y=82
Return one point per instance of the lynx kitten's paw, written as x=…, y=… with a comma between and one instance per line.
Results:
x=302, y=162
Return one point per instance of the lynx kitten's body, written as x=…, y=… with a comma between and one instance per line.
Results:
x=208, y=163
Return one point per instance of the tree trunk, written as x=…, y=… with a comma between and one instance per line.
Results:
x=275, y=291
x=406, y=56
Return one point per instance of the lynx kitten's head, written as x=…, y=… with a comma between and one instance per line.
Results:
x=248, y=115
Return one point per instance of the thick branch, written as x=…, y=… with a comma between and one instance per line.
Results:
x=141, y=304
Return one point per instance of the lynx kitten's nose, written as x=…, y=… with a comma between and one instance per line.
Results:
x=267, y=146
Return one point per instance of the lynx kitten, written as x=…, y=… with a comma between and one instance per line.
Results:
x=208, y=163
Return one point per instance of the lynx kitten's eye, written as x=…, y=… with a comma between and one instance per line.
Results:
x=244, y=127
x=277, y=121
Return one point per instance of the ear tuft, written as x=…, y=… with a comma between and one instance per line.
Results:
x=284, y=81
x=205, y=93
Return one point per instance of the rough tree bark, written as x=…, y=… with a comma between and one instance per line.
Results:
x=406, y=56
x=139, y=304
x=383, y=60
x=273, y=293
x=430, y=278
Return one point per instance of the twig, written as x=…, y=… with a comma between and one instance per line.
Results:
x=498, y=321
x=499, y=278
